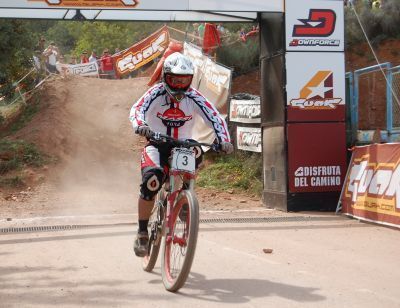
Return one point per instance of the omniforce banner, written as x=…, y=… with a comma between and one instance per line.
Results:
x=84, y=69
x=245, y=111
x=249, y=139
x=372, y=186
x=211, y=79
x=141, y=53
x=314, y=25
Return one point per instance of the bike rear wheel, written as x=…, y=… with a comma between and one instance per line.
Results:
x=155, y=233
x=179, y=244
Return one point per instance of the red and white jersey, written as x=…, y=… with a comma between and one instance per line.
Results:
x=165, y=115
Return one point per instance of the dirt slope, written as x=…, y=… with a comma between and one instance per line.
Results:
x=83, y=123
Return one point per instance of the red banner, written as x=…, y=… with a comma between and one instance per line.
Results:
x=372, y=186
x=317, y=156
x=141, y=53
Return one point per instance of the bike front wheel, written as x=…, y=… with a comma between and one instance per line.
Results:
x=155, y=232
x=179, y=243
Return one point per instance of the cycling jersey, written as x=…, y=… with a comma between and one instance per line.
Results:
x=162, y=113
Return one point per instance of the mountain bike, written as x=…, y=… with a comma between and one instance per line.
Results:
x=174, y=221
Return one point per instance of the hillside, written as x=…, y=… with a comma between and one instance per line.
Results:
x=82, y=125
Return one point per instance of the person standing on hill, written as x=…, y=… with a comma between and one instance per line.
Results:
x=107, y=65
x=170, y=107
x=51, y=54
x=93, y=57
x=84, y=57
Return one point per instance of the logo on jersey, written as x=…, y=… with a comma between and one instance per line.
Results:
x=317, y=93
x=320, y=23
x=174, y=117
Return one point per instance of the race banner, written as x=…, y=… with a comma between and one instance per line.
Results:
x=141, y=53
x=85, y=69
x=245, y=111
x=211, y=79
x=198, y=59
x=248, y=139
x=372, y=187
x=315, y=86
x=121, y=4
x=317, y=157
x=215, y=84
x=316, y=25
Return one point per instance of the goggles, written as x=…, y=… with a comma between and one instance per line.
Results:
x=178, y=82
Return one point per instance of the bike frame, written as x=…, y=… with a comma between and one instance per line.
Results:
x=174, y=180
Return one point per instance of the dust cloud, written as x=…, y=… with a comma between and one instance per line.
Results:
x=84, y=126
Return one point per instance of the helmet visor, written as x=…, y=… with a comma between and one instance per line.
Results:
x=178, y=82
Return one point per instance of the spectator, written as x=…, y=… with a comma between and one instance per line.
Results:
x=93, y=57
x=200, y=30
x=107, y=65
x=73, y=60
x=84, y=58
x=242, y=35
x=117, y=51
x=60, y=66
x=41, y=43
x=221, y=29
x=376, y=5
x=36, y=60
x=51, y=54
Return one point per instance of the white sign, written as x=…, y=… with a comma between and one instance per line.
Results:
x=315, y=176
x=249, y=139
x=315, y=81
x=314, y=25
x=84, y=69
x=198, y=59
x=183, y=160
x=245, y=111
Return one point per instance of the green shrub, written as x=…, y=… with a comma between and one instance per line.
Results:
x=241, y=171
x=241, y=56
x=15, y=154
x=379, y=24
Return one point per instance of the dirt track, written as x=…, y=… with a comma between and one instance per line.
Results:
x=83, y=124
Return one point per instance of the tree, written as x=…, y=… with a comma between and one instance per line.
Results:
x=16, y=57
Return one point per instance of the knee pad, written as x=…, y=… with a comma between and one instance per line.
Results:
x=152, y=180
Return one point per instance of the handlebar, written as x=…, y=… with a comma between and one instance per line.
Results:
x=159, y=137
x=162, y=138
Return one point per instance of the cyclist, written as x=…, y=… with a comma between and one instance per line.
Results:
x=170, y=107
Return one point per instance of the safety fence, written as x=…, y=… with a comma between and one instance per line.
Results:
x=373, y=109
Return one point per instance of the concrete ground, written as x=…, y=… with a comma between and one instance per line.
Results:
x=323, y=261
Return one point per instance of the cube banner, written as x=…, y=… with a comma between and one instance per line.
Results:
x=314, y=25
x=249, y=139
x=141, y=53
x=315, y=86
x=372, y=187
x=245, y=111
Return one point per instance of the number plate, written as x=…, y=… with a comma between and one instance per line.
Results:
x=183, y=160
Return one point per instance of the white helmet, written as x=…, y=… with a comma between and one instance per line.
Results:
x=178, y=73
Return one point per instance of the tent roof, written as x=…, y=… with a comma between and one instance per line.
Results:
x=145, y=10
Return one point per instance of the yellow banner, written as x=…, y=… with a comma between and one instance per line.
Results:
x=93, y=3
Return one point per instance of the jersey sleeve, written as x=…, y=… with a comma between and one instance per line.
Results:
x=139, y=110
x=210, y=115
